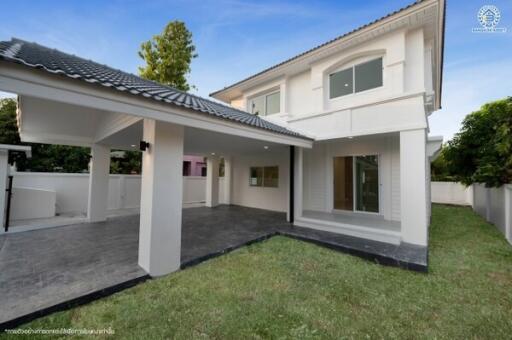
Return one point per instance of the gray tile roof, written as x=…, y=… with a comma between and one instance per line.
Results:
x=56, y=62
x=315, y=48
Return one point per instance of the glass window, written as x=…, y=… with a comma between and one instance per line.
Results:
x=368, y=75
x=358, y=78
x=266, y=104
x=341, y=83
x=271, y=176
x=264, y=176
x=187, y=168
x=273, y=103
x=222, y=167
x=258, y=106
x=256, y=177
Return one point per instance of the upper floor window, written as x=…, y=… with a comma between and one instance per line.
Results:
x=266, y=104
x=357, y=78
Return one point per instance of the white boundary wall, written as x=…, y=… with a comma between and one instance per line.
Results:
x=493, y=204
x=40, y=195
x=451, y=193
x=40, y=203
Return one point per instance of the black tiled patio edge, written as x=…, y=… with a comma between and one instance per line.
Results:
x=82, y=300
x=377, y=258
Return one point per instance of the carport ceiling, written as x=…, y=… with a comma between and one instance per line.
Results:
x=197, y=142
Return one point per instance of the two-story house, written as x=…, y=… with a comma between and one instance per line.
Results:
x=365, y=98
x=336, y=137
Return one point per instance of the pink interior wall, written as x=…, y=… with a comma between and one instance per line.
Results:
x=196, y=163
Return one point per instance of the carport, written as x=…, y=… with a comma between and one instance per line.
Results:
x=64, y=99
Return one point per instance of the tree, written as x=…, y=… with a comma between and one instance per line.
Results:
x=439, y=170
x=129, y=163
x=55, y=158
x=8, y=125
x=168, y=56
x=482, y=151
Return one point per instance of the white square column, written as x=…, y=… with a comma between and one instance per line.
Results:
x=161, y=198
x=212, y=181
x=227, y=179
x=98, y=183
x=413, y=187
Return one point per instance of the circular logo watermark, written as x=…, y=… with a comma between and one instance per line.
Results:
x=489, y=17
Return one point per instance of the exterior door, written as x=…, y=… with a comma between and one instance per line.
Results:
x=356, y=183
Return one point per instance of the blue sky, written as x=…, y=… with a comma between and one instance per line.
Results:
x=236, y=38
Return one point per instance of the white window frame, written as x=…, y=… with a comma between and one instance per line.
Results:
x=265, y=95
x=353, y=66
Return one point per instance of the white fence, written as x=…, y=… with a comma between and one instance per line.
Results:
x=451, y=193
x=35, y=194
x=493, y=204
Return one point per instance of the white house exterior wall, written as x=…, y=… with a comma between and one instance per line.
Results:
x=383, y=117
x=414, y=61
x=275, y=199
x=370, y=122
x=299, y=94
x=306, y=105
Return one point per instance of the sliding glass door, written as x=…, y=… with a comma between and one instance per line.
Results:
x=356, y=183
x=367, y=183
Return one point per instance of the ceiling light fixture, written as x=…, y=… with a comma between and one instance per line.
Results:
x=265, y=147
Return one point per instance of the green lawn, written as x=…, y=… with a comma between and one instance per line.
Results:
x=283, y=288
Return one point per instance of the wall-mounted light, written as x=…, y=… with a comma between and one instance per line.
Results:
x=143, y=145
x=265, y=147
x=133, y=145
x=213, y=153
